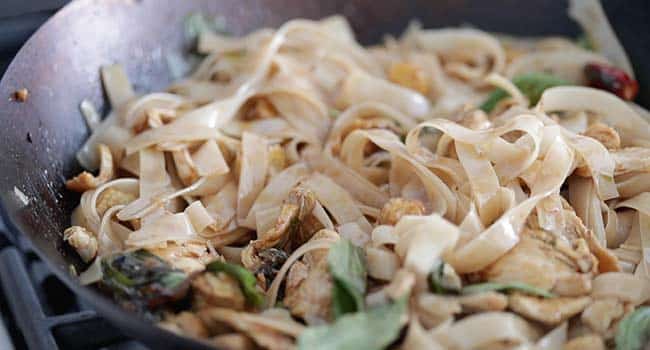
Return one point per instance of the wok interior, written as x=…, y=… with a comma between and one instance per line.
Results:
x=60, y=67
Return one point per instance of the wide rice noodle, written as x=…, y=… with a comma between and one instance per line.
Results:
x=217, y=155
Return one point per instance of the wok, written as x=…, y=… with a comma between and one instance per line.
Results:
x=60, y=64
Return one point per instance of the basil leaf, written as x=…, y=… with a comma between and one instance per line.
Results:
x=348, y=268
x=633, y=332
x=371, y=330
x=532, y=85
x=506, y=287
x=247, y=282
x=197, y=23
x=441, y=283
x=584, y=42
x=142, y=281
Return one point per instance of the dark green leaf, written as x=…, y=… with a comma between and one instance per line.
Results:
x=141, y=281
x=532, y=85
x=348, y=268
x=370, y=330
x=506, y=287
x=439, y=284
x=633, y=332
x=247, y=282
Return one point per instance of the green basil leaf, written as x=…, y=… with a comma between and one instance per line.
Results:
x=246, y=279
x=633, y=333
x=584, y=42
x=370, y=330
x=142, y=281
x=348, y=268
x=532, y=85
x=441, y=284
x=197, y=23
x=506, y=287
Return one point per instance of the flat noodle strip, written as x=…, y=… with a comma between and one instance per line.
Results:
x=502, y=235
x=254, y=166
x=224, y=158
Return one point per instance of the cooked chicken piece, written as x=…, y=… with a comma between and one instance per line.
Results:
x=604, y=134
x=395, y=208
x=217, y=290
x=265, y=337
x=188, y=256
x=535, y=260
x=292, y=228
x=112, y=197
x=409, y=76
x=234, y=341
x=434, y=309
x=579, y=254
x=486, y=301
x=551, y=311
x=475, y=120
x=86, y=181
x=277, y=160
x=185, y=323
x=83, y=241
x=575, y=229
x=591, y=342
x=308, y=290
x=287, y=233
x=258, y=108
x=600, y=315
x=573, y=285
x=631, y=159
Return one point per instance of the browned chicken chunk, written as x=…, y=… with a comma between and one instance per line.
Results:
x=604, y=134
x=398, y=207
x=217, y=290
x=601, y=314
x=308, y=290
x=87, y=181
x=551, y=311
x=83, y=241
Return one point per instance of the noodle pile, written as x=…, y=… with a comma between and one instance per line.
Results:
x=292, y=140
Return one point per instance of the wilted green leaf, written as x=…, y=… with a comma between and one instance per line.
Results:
x=197, y=23
x=142, y=281
x=371, y=330
x=348, y=268
x=439, y=284
x=633, y=333
x=584, y=42
x=532, y=85
x=247, y=282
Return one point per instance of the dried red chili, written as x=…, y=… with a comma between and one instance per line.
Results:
x=612, y=79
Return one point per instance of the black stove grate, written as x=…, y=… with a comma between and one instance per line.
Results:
x=40, y=312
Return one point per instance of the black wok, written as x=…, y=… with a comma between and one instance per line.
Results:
x=60, y=64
